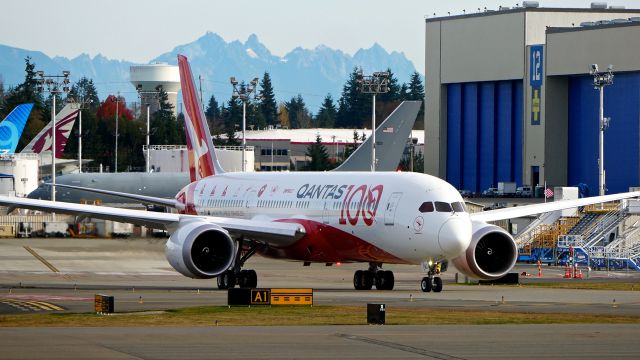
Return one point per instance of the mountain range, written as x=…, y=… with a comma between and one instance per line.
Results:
x=313, y=73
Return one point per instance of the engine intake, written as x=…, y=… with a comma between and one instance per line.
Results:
x=200, y=250
x=491, y=254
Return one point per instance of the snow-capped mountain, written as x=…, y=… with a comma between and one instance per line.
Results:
x=310, y=72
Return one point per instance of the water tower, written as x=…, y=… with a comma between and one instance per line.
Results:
x=148, y=79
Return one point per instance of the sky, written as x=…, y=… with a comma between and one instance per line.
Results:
x=139, y=30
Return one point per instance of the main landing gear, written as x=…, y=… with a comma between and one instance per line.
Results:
x=430, y=282
x=236, y=276
x=365, y=279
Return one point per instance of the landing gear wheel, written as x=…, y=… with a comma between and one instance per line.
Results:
x=363, y=280
x=357, y=280
x=226, y=280
x=437, y=284
x=426, y=284
x=251, y=279
x=384, y=280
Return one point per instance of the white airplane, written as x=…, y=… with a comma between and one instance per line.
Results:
x=371, y=217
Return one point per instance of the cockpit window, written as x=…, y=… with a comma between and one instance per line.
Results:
x=426, y=207
x=458, y=207
x=443, y=207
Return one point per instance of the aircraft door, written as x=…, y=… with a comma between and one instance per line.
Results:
x=390, y=210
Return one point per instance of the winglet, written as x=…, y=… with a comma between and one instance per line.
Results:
x=12, y=126
x=202, y=157
x=64, y=124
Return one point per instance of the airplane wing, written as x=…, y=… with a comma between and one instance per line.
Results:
x=526, y=210
x=272, y=233
x=142, y=198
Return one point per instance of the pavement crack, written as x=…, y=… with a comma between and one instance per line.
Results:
x=405, y=348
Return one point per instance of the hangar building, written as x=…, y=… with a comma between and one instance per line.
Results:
x=510, y=98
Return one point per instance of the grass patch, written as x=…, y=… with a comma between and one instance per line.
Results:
x=290, y=315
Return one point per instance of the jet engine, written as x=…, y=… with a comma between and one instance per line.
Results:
x=491, y=254
x=200, y=250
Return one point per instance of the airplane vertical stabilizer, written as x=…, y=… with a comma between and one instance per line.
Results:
x=202, y=157
x=44, y=140
x=12, y=126
x=391, y=138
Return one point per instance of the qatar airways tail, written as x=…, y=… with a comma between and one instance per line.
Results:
x=374, y=218
x=12, y=126
x=42, y=142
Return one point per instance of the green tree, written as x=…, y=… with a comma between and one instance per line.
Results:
x=299, y=117
x=164, y=125
x=318, y=155
x=27, y=92
x=394, y=89
x=85, y=94
x=268, y=106
x=326, y=117
x=416, y=92
x=213, y=113
x=232, y=116
x=354, y=107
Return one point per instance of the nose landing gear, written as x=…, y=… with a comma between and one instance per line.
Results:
x=365, y=279
x=431, y=282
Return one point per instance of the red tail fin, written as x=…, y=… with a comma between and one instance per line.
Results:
x=202, y=158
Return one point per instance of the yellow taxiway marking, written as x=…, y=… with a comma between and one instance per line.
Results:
x=42, y=260
x=25, y=305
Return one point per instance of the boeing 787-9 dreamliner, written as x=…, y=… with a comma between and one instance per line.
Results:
x=373, y=218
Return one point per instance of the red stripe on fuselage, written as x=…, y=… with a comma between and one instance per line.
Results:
x=325, y=243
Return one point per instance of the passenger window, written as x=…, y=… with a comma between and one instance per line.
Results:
x=443, y=206
x=458, y=207
x=426, y=207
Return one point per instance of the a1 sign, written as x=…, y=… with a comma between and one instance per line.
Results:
x=535, y=66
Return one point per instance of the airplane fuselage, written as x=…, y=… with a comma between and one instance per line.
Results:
x=348, y=217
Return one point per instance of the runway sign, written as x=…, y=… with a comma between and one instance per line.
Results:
x=270, y=297
x=104, y=304
x=291, y=296
x=244, y=296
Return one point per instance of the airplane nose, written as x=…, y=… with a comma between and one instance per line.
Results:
x=454, y=236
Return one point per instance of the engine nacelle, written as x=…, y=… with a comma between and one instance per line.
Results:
x=491, y=254
x=200, y=250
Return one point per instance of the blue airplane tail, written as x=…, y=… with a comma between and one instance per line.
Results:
x=12, y=126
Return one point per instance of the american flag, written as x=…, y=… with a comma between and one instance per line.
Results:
x=548, y=193
x=387, y=130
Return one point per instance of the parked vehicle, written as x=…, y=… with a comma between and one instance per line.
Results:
x=524, y=191
x=506, y=189
x=490, y=192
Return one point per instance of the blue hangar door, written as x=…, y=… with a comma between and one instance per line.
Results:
x=484, y=134
x=621, y=139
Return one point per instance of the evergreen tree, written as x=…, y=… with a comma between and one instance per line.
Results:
x=326, y=117
x=319, y=156
x=267, y=104
x=164, y=125
x=299, y=117
x=84, y=93
x=354, y=107
x=416, y=92
x=232, y=116
x=213, y=113
x=27, y=92
x=394, y=89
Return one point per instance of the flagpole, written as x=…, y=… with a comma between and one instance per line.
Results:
x=545, y=191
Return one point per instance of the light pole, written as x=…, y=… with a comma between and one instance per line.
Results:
x=600, y=80
x=244, y=93
x=53, y=83
x=80, y=106
x=117, y=100
x=378, y=83
x=146, y=95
